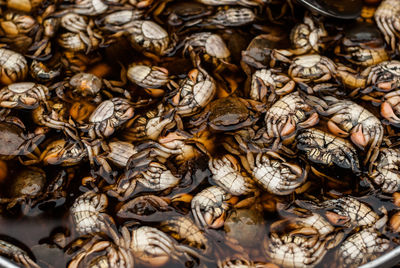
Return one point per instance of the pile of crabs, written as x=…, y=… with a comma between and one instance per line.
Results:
x=230, y=133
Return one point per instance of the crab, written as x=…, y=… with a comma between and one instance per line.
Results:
x=229, y=113
x=226, y=17
x=351, y=119
x=16, y=143
x=27, y=186
x=274, y=174
x=64, y=152
x=88, y=213
x=107, y=117
x=151, y=78
x=20, y=256
x=361, y=247
x=151, y=125
x=23, y=95
x=149, y=173
x=268, y=84
x=194, y=93
x=387, y=17
x=297, y=245
x=227, y=173
x=42, y=72
x=385, y=172
x=76, y=25
x=308, y=69
x=327, y=149
x=362, y=45
x=210, y=46
x=305, y=37
x=287, y=116
x=119, y=20
x=13, y=66
x=184, y=229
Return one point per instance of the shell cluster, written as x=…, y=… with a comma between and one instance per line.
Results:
x=230, y=133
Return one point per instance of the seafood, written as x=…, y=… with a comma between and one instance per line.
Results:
x=350, y=119
x=17, y=254
x=326, y=149
x=362, y=247
x=274, y=174
x=88, y=213
x=194, y=93
x=23, y=95
x=387, y=17
x=13, y=66
x=209, y=207
x=226, y=173
x=287, y=115
x=385, y=173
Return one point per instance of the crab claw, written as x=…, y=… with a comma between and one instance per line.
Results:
x=288, y=128
x=193, y=75
x=358, y=137
x=385, y=86
x=336, y=219
x=217, y=223
x=388, y=113
x=337, y=130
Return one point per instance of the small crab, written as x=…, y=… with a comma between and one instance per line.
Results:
x=43, y=73
x=230, y=113
x=362, y=247
x=382, y=77
x=308, y=69
x=386, y=170
x=287, y=116
x=88, y=213
x=88, y=7
x=14, y=23
x=184, y=229
x=387, y=17
x=153, y=247
x=267, y=84
x=17, y=254
x=210, y=46
x=291, y=245
x=149, y=173
x=119, y=20
x=149, y=37
x=305, y=37
x=101, y=251
x=348, y=211
x=362, y=45
x=194, y=93
x=390, y=108
x=274, y=173
x=13, y=66
x=326, y=149
x=77, y=26
x=151, y=78
x=227, y=173
x=351, y=119
x=15, y=142
x=226, y=17
x=26, y=187
x=64, y=152
x=148, y=126
x=209, y=207
x=107, y=117
x=23, y=95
